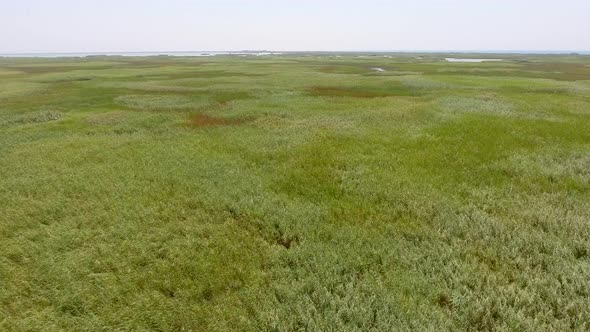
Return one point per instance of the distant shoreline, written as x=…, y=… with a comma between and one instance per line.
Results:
x=264, y=53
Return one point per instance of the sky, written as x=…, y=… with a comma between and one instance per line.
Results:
x=38, y=26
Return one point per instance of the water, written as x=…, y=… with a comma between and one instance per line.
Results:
x=471, y=60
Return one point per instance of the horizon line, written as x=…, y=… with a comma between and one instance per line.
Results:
x=507, y=51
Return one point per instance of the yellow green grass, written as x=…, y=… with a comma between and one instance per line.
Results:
x=295, y=192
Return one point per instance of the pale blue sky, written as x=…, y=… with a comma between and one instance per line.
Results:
x=183, y=25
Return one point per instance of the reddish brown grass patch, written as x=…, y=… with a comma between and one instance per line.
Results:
x=204, y=120
x=343, y=92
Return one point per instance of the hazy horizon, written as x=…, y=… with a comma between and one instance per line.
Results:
x=272, y=52
x=67, y=26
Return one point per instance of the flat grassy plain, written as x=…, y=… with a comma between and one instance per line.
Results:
x=296, y=192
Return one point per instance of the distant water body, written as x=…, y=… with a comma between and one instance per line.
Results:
x=257, y=53
x=471, y=60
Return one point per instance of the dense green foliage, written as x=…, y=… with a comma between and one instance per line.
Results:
x=295, y=192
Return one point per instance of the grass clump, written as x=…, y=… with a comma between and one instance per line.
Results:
x=40, y=117
x=160, y=102
x=482, y=104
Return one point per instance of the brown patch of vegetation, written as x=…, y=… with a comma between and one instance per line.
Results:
x=444, y=301
x=345, y=92
x=204, y=120
x=211, y=74
x=581, y=252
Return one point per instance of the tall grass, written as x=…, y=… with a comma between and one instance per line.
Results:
x=294, y=193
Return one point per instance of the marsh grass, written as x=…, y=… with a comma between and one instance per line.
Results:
x=295, y=192
x=11, y=89
x=160, y=102
x=388, y=89
x=487, y=104
x=40, y=117
x=204, y=120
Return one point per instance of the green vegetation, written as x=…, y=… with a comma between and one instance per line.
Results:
x=295, y=192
